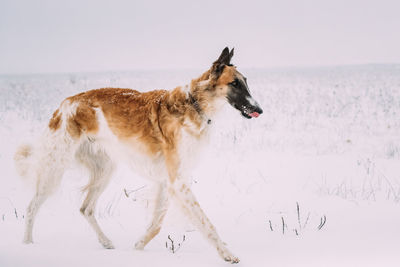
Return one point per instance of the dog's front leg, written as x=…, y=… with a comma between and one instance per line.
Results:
x=185, y=198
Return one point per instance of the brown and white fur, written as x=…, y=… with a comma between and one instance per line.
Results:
x=150, y=130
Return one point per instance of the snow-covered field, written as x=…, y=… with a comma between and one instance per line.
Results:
x=314, y=181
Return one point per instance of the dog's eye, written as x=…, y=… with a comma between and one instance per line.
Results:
x=234, y=83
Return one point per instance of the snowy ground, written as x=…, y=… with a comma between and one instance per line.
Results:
x=326, y=149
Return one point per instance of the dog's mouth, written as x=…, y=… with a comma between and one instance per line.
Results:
x=247, y=106
x=250, y=112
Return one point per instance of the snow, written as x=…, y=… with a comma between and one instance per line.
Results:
x=326, y=146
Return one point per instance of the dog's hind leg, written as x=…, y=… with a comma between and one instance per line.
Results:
x=47, y=183
x=160, y=209
x=49, y=170
x=100, y=167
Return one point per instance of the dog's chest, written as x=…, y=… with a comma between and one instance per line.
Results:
x=192, y=142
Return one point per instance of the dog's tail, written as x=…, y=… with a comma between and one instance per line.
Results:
x=23, y=159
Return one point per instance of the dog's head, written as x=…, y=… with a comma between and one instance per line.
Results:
x=229, y=83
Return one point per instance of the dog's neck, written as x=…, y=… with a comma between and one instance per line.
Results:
x=197, y=107
x=199, y=98
x=193, y=102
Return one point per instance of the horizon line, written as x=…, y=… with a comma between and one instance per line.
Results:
x=285, y=67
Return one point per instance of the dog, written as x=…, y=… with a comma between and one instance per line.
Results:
x=154, y=131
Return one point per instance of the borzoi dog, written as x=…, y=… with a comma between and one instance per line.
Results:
x=152, y=130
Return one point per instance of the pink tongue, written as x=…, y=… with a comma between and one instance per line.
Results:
x=254, y=114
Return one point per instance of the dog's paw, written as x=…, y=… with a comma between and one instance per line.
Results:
x=139, y=245
x=232, y=259
x=27, y=241
x=106, y=243
x=228, y=256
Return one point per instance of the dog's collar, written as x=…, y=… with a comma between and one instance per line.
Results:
x=193, y=101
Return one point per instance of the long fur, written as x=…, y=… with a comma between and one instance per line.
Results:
x=22, y=159
x=156, y=132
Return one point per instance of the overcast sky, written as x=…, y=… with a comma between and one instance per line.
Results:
x=39, y=36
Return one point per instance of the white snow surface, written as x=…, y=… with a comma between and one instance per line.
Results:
x=328, y=143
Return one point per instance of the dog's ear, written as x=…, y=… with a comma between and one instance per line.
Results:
x=231, y=55
x=225, y=57
x=223, y=60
